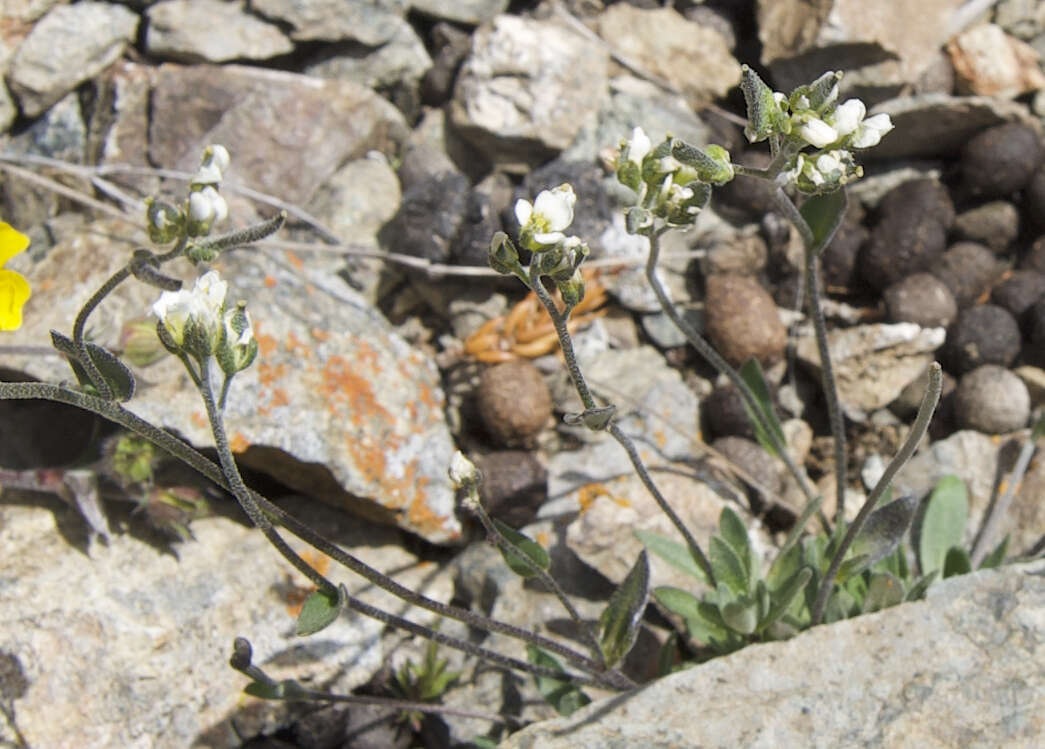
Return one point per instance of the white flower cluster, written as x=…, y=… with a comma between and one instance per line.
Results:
x=846, y=123
x=545, y=220
x=196, y=322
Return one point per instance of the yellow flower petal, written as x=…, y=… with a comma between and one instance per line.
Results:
x=12, y=242
x=14, y=293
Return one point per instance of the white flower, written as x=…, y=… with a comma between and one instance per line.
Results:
x=870, y=131
x=817, y=133
x=212, y=169
x=548, y=215
x=848, y=116
x=463, y=471
x=828, y=163
x=638, y=146
x=201, y=308
x=201, y=205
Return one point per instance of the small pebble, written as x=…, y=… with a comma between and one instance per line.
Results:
x=1034, y=322
x=1034, y=197
x=742, y=320
x=514, y=402
x=995, y=224
x=839, y=258
x=746, y=197
x=986, y=334
x=745, y=254
x=928, y=195
x=903, y=242
x=992, y=399
x=968, y=269
x=1001, y=160
x=1034, y=257
x=922, y=299
x=1019, y=291
x=724, y=413
x=514, y=485
x=751, y=458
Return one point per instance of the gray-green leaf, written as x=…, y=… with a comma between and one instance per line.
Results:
x=320, y=610
x=956, y=562
x=824, y=214
x=884, y=590
x=943, y=524
x=619, y=623
x=561, y=694
x=530, y=548
x=884, y=529
x=727, y=566
x=672, y=552
x=768, y=431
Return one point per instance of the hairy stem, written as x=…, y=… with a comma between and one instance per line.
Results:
x=921, y=424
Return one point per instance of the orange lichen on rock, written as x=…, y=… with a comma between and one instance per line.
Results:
x=295, y=594
x=588, y=493
x=238, y=442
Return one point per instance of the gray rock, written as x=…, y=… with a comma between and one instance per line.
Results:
x=461, y=11
x=982, y=632
x=118, y=132
x=211, y=31
x=695, y=59
x=26, y=11
x=450, y=45
x=287, y=133
x=937, y=125
x=665, y=333
x=881, y=47
x=434, y=148
x=873, y=363
x=975, y=458
x=742, y=320
x=370, y=22
x=68, y=46
x=525, y=90
x=1024, y=19
x=8, y=110
x=992, y=399
x=634, y=103
x=989, y=62
x=428, y=218
x=402, y=59
x=922, y=299
x=151, y=631
x=59, y=134
x=995, y=224
x=337, y=405
x=358, y=200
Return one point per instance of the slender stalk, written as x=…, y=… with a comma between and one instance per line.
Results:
x=506, y=545
x=721, y=365
x=985, y=538
x=827, y=375
x=566, y=342
x=182, y=451
x=86, y=362
x=921, y=424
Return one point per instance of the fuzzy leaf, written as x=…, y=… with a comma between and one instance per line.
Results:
x=564, y=696
x=533, y=551
x=677, y=601
x=956, y=562
x=997, y=557
x=672, y=552
x=943, y=525
x=751, y=373
x=116, y=374
x=741, y=615
x=884, y=590
x=619, y=623
x=785, y=595
x=824, y=214
x=727, y=566
x=320, y=610
x=734, y=532
x=917, y=590
x=884, y=529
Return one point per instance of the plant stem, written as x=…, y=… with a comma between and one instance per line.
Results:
x=721, y=365
x=183, y=451
x=985, y=538
x=918, y=429
x=86, y=362
x=506, y=545
x=566, y=342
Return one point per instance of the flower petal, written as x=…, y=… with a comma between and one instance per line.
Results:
x=14, y=293
x=523, y=211
x=12, y=242
x=848, y=116
x=555, y=206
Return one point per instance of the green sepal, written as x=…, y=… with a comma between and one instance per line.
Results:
x=527, y=547
x=712, y=165
x=116, y=374
x=320, y=610
x=765, y=116
x=619, y=623
x=819, y=95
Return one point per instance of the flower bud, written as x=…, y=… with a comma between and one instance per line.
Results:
x=163, y=222
x=572, y=289
x=212, y=167
x=818, y=96
x=237, y=348
x=765, y=115
x=139, y=343
x=463, y=472
x=503, y=256
x=629, y=161
x=638, y=220
x=711, y=165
